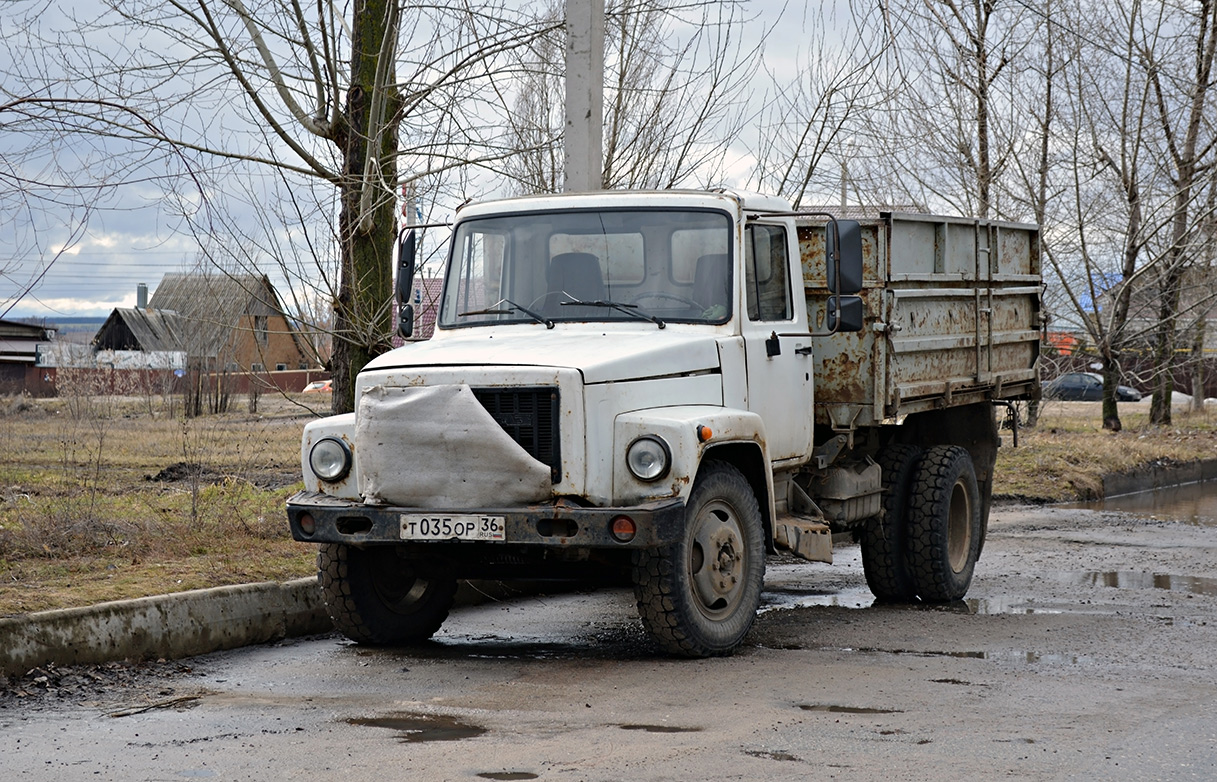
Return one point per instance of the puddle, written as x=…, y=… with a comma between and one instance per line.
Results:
x=847, y=709
x=506, y=776
x=610, y=642
x=1000, y=655
x=1195, y=503
x=1002, y=604
x=660, y=728
x=860, y=597
x=1128, y=579
x=767, y=755
x=419, y=728
x=626, y=642
x=782, y=598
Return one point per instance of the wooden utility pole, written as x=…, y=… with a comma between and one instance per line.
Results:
x=584, y=157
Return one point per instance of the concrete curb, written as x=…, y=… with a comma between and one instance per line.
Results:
x=1159, y=476
x=164, y=626
x=184, y=624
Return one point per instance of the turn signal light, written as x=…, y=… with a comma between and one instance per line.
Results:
x=704, y=432
x=308, y=525
x=623, y=529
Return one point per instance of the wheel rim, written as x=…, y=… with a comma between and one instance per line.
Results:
x=398, y=588
x=717, y=560
x=959, y=527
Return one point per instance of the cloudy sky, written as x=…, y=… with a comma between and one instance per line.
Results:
x=137, y=238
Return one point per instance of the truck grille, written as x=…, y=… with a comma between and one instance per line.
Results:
x=530, y=417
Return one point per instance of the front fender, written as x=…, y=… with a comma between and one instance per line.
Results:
x=680, y=428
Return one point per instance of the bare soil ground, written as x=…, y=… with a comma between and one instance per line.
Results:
x=105, y=498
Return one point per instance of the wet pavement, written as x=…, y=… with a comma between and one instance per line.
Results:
x=1085, y=649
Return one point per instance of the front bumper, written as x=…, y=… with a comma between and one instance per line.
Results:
x=560, y=524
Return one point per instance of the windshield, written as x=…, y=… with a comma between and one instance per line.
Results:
x=640, y=265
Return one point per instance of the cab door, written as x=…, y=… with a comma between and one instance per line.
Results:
x=779, y=367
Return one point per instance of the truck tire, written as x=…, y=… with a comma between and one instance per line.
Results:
x=375, y=597
x=944, y=524
x=884, y=538
x=698, y=597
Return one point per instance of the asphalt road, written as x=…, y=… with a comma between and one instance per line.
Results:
x=1085, y=650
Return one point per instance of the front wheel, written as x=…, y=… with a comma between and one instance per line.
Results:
x=376, y=597
x=944, y=524
x=698, y=597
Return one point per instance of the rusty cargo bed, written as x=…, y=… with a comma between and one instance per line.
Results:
x=955, y=310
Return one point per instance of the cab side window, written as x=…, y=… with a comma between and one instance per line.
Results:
x=766, y=274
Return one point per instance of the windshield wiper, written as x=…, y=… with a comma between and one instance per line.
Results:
x=513, y=307
x=628, y=309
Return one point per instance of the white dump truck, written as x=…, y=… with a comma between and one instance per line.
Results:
x=669, y=386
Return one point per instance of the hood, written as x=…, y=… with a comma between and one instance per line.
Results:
x=601, y=354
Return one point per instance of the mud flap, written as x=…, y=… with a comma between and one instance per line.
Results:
x=804, y=537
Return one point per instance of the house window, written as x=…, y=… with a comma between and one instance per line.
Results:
x=260, y=329
x=280, y=367
x=255, y=367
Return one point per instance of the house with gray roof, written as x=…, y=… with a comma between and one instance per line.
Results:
x=226, y=323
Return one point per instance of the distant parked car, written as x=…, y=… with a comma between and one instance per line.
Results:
x=318, y=385
x=1085, y=387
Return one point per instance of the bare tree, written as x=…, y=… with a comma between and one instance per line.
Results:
x=817, y=114
x=1208, y=253
x=1096, y=216
x=948, y=70
x=1181, y=82
x=335, y=102
x=674, y=96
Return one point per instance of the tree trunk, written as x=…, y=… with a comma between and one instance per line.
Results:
x=1164, y=350
x=1111, y=379
x=368, y=229
x=1187, y=163
x=1198, y=366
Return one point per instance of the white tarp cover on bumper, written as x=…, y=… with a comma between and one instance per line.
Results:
x=437, y=447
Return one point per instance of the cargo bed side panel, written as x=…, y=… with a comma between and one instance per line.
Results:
x=952, y=312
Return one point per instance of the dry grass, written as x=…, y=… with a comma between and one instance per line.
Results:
x=105, y=499
x=108, y=498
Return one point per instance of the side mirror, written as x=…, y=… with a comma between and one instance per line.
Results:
x=406, y=252
x=405, y=321
x=844, y=313
x=843, y=254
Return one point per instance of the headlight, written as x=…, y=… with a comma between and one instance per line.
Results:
x=648, y=458
x=330, y=459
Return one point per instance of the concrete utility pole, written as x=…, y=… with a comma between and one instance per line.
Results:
x=584, y=157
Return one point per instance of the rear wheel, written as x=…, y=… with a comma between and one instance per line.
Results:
x=376, y=597
x=944, y=524
x=698, y=597
x=884, y=538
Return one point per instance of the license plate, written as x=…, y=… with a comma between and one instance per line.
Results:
x=418, y=526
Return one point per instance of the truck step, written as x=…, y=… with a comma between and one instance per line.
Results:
x=804, y=537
